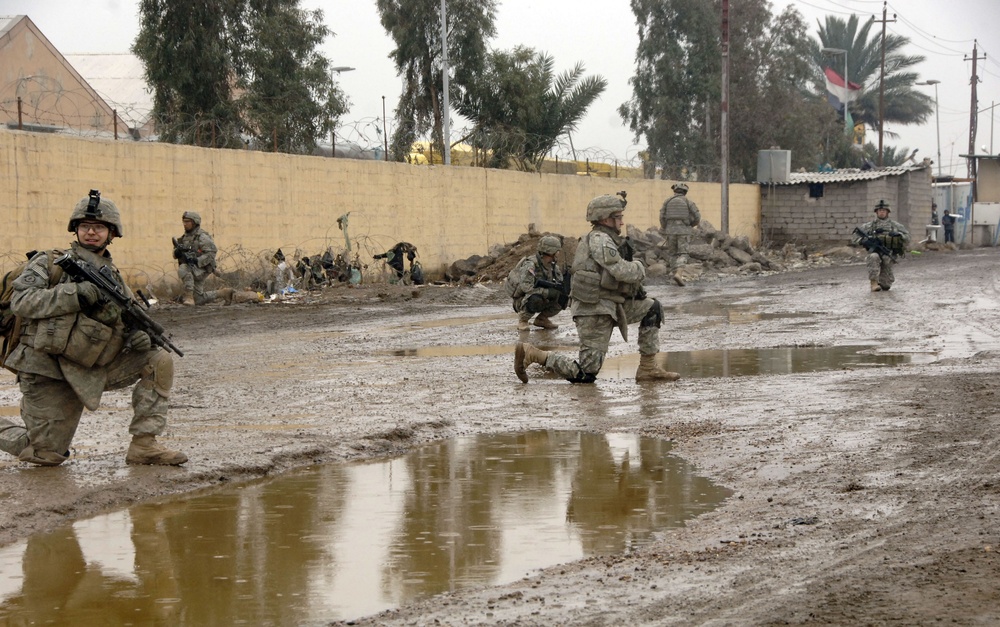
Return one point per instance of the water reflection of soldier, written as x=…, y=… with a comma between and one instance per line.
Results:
x=394, y=257
x=607, y=292
x=195, y=254
x=530, y=298
x=893, y=236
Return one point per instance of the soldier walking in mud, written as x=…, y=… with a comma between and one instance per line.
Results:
x=74, y=345
x=677, y=217
x=536, y=285
x=607, y=292
x=885, y=240
x=195, y=254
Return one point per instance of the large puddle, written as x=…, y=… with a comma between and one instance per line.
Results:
x=709, y=363
x=336, y=542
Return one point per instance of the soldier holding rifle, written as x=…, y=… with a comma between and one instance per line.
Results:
x=83, y=333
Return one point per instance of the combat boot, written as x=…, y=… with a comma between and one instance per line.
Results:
x=188, y=299
x=875, y=286
x=144, y=449
x=678, y=278
x=523, y=321
x=41, y=458
x=524, y=355
x=649, y=370
x=543, y=322
x=226, y=294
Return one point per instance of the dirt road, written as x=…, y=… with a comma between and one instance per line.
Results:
x=863, y=495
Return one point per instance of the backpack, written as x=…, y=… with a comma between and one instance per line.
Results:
x=10, y=324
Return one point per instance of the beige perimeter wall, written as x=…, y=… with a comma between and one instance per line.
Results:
x=254, y=203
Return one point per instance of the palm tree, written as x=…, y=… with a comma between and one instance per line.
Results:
x=903, y=105
x=520, y=109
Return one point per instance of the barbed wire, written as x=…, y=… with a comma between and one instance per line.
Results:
x=41, y=104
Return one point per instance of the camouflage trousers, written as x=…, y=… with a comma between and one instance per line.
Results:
x=675, y=248
x=193, y=280
x=880, y=269
x=51, y=410
x=595, y=336
x=549, y=308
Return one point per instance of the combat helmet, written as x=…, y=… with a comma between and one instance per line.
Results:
x=679, y=188
x=603, y=206
x=549, y=245
x=93, y=207
x=193, y=216
x=883, y=205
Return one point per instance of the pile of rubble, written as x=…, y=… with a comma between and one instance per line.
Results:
x=711, y=255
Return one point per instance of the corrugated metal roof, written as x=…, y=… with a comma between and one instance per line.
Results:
x=844, y=175
x=119, y=79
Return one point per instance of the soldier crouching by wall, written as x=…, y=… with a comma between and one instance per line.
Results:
x=195, y=254
x=533, y=282
x=607, y=292
x=74, y=346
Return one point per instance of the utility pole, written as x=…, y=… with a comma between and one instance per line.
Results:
x=724, y=124
x=973, y=116
x=881, y=82
x=445, y=105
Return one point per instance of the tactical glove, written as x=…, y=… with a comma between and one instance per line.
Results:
x=139, y=342
x=87, y=294
x=191, y=258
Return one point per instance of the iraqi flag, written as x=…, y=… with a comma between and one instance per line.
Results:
x=835, y=92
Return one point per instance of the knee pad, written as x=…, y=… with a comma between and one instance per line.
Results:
x=653, y=317
x=582, y=377
x=159, y=373
x=534, y=303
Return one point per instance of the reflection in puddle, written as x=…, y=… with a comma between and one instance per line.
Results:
x=452, y=322
x=732, y=314
x=337, y=542
x=755, y=361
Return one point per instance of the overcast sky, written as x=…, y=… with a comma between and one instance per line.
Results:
x=602, y=35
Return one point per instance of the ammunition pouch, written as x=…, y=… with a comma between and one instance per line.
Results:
x=78, y=338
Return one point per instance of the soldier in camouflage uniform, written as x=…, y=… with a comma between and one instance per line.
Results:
x=895, y=237
x=530, y=298
x=74, y=346
x=195, y=255
x=607, y=292
x=677, y=217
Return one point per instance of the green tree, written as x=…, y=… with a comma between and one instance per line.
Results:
x=676, y=88
x=290, y=98
x=222, y=69
x=903, y=104
x=415, y=27
x=520, y=109
x=188, y=63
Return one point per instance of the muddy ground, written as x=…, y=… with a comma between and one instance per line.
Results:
x=861, y=496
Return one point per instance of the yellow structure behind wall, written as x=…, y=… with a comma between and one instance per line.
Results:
x=264, y=201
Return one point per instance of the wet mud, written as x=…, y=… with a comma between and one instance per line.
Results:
x=864, y=494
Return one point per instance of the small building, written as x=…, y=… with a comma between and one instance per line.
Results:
x=42, y=90
x=804, y=207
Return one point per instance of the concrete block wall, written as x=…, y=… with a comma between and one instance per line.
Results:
x=788, y=214
x=257, y=202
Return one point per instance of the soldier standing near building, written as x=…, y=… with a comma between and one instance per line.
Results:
x=884, y=239
x=607, y=292
x=677, y=217
x=195, y=255
x=74, y=346
x=532, y=284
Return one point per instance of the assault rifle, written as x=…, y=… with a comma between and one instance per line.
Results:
x=563, y=288
x=133, y=315
x=183, y=255
x=874, y=245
